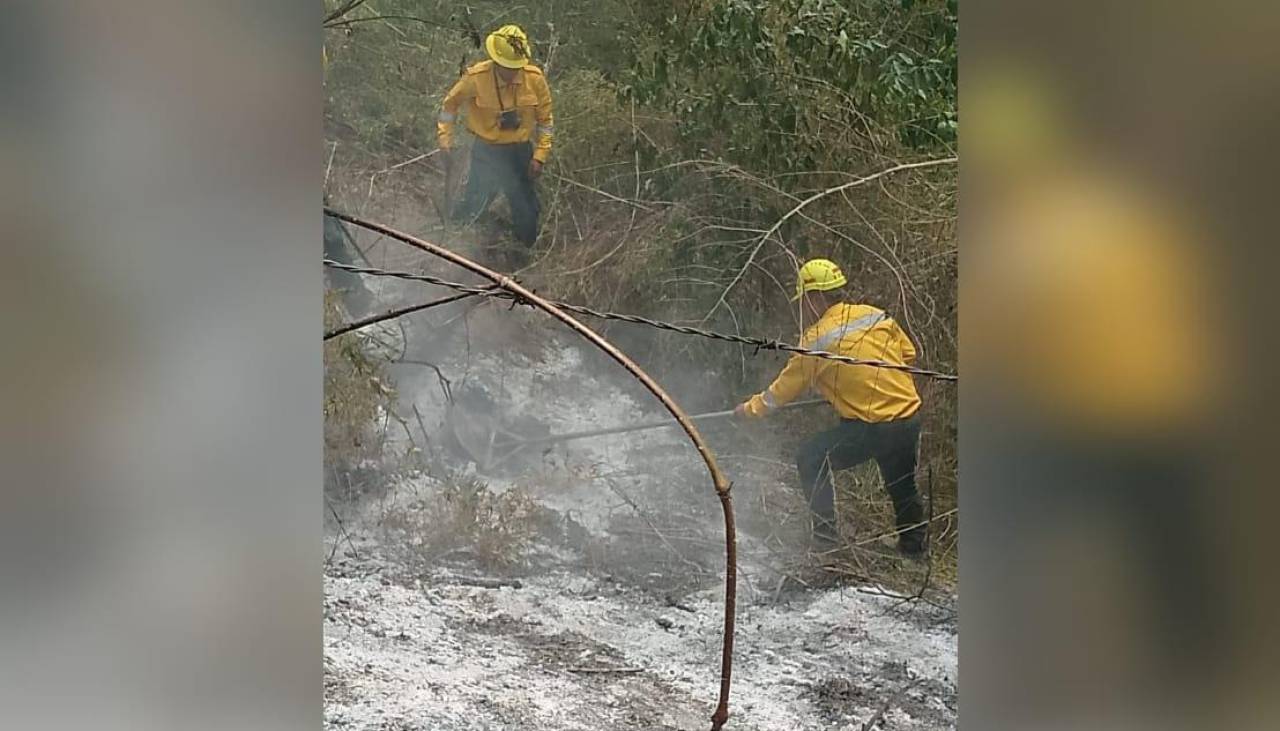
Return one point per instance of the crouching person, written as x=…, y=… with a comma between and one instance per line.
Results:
x=878, y=407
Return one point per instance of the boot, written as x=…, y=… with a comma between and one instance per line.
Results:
x=913, y=543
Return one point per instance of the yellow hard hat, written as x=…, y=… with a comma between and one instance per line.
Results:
x=508, y=46
x=819, y=275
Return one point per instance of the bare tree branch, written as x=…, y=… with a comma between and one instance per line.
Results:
x=804, y=204
x=377, y=18
x=720, y=482
x=392, y=314
x=342, y=11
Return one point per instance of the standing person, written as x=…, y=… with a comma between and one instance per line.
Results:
x=877, y=406
x=507, y=105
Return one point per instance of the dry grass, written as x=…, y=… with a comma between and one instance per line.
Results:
x=866, y=524
x=355, y=393
x=462, y=515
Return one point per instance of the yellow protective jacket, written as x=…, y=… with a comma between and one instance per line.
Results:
x=482, y=101
x=865, y=393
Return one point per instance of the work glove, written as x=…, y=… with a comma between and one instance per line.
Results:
x=535, y=169
x=740, y=412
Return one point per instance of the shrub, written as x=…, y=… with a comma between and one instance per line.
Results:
x=463, y=514
x=356, y=393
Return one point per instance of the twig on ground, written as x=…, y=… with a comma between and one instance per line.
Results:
x=342, y=533
x=873, y=590
x=675, y=603
x=898, y=531
x=485, y=583
x=406, y=163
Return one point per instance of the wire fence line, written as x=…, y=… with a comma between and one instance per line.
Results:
x=755, y=342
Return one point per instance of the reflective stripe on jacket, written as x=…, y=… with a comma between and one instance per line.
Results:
x=476, y=96
x=863, y=392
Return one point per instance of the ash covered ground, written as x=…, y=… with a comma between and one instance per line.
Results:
x=586, y=590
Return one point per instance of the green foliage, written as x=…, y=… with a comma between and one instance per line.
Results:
x=685, y=130
x=390, y=67
x=765, y=78
x=384, y=90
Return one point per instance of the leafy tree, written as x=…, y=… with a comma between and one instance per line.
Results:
x=768, y=79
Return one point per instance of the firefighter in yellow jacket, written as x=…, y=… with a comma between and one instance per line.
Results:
x=877, y=406
x=507, y=106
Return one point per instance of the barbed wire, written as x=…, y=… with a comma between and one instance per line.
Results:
x=755, y=342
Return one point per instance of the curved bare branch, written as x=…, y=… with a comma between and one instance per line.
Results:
x=801, y=206
x=718, y=479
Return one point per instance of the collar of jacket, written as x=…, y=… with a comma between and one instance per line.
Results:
x=837, y=311
x=839, y=315
x=517, y=80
